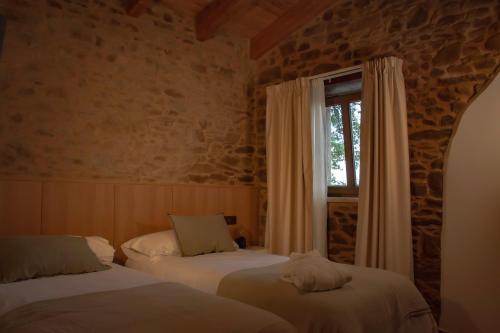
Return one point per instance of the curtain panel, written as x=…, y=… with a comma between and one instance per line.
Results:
x=296, y=142
x=289, y=168
x=384, y=208
x=320, y=128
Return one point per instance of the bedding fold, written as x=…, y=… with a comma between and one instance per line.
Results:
x=312, y=272
x=155, y=308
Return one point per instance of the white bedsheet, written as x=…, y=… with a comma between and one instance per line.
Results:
x=204, y=272
x=16, y=294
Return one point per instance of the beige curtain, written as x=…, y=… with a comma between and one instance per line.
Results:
x=384, y=215
x=289, y=168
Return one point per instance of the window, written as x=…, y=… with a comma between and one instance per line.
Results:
x=343, y=105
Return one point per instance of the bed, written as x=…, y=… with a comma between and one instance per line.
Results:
x=374, y=301
x=119, y=299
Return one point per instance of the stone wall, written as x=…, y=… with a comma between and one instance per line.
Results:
x=451, y=50
x=342, y=219
x=89, y=92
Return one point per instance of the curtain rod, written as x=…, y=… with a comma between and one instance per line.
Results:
x=338, y=72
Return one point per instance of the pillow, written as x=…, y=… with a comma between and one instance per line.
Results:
x=162, y=243
x=27, y=257
x=147, y=247
x=137, y=256
x=202, y=234
x=101, y=248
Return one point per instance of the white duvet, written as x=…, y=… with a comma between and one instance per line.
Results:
x=16, y=294
x=203, y=272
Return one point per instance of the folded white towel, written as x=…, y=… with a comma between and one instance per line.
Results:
x=311, y=272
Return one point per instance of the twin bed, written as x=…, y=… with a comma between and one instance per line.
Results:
x=197, y=280
x=374, y=301
x=120, y=299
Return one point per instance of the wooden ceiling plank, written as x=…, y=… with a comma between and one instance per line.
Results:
x=217, y=14
x=249, y=24
x=186, y=7
x=136, y=8
x=293, y=19
x=276, y=7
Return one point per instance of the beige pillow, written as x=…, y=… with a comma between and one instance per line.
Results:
x=202, y=234
x=28, y=257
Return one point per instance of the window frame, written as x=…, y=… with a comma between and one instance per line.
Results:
x=350, y=190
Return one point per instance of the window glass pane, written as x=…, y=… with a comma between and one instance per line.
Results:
x=355, y=113
x=338, y=174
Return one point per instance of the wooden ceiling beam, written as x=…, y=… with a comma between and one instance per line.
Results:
x=216, y=14
x=293, y=19
x=136, y=8
x=275, y=7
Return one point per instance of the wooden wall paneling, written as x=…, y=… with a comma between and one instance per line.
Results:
x=198, y=200
x=78, y=209
x=120, y=211
x=140, y=209
x=195, y=200
x=229, y=200
x=20, y=207
x=241, y=202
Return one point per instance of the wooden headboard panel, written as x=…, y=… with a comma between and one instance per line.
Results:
x=78, y=209
x=20, y=207
x=140, y=209
x=118, y=211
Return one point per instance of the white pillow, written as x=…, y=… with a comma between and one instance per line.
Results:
x=162, y=243
x=138, y=257
x=101, y=248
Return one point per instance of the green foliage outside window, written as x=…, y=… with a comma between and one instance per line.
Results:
x=355, y=112
x=337, y=152
x=338, y=169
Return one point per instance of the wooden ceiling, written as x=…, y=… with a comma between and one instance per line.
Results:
x=264, y=22
x=247, y=24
